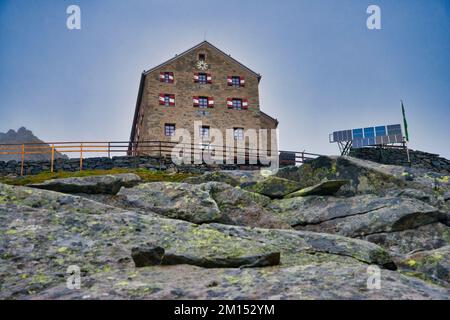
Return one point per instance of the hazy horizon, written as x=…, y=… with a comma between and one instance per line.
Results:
x=322, y=69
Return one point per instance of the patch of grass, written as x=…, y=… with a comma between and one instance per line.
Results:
x=145, y=174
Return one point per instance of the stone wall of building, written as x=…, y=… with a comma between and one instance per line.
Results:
x=153, y=116
x=398, y=157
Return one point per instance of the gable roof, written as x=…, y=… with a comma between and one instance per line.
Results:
x=196, y=47
x=144, y=73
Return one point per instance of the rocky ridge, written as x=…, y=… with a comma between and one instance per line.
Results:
x=233, y=235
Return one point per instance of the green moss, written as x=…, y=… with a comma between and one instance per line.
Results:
x=411, y=262
x=146, y=176
x=41, y=279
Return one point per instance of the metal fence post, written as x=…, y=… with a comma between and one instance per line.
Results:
x=109, y=149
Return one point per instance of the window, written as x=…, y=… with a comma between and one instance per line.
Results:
x=236, y=81
x=166, y=77
x=202, y=56
x=202, y=78
x=169, y=129
x=203, y=102
x=237, y=104
x=204, y=132
x=167, y=100
x=238, y=133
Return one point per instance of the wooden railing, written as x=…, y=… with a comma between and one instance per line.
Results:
x=151, y=148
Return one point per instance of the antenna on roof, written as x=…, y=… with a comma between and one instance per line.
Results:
x=204, y=35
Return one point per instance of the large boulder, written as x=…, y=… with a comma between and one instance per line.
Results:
x=100, y=184
x=426, y=237
x=173, y=200
x=433, y=265
x=355, y=216
x=243, y=208
x=201, y=203
x=273, y=187
x=365, y=176
x=325, y=188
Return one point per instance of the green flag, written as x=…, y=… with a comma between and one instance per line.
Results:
x=405, y=124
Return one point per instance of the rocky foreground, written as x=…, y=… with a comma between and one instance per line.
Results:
x=319, y=231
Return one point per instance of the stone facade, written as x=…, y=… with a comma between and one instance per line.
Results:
x=151, y=117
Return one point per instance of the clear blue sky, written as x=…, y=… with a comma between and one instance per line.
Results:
x=322, y=69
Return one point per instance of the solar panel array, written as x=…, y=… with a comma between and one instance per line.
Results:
x=370, y=136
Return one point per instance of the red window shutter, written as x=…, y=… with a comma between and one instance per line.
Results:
x=230, y=80
x=209, y=78
x=195, y=101
x=230, y=103
x=161, y=99
x=172, y=100
x=195, y=77
x=210, y=102
x=244, y=104
x=242, y=82
x=161, y=76
x=171, y=78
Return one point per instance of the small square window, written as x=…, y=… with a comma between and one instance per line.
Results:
x=203, y=102
x=169, y=129
x=202, y=78
x=166, y=77
x=167, y=100
x=237, y=104
x=236, y=81
x=204, y=132
x=202, y=57
x=238, y=133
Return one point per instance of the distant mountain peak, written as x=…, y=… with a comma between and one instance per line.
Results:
x=23, y=135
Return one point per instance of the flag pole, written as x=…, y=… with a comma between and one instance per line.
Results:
x=406, y=137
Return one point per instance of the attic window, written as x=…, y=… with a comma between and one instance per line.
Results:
x=202, y=56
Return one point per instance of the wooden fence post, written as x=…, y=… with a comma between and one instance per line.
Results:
x=23, y=158
x=160, y=155
x=52, y=159
x=81, y=156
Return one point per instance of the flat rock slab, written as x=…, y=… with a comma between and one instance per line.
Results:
x=325, y=281
x=106, y=184
x=355, y=216
x=273, y=187
x=216, y=176
x=174, y=200
x=145, y=256
x=291, y=243
x=325, y=188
